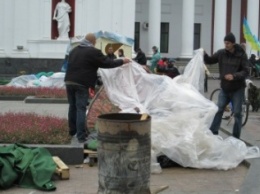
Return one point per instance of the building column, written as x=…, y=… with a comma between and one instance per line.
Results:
x=154, y=29
x=188, y=11
x=253, y=21
x=219, y=24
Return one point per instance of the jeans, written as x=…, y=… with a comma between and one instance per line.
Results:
x=78, y=101
x=237, y=98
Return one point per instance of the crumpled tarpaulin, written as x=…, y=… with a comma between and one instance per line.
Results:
x=181, y=115
x=26, y=167
x=55, y=80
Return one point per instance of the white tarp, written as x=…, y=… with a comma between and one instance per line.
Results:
x=181, y=115
x=55, y=80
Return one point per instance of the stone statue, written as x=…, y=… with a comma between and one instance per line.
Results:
x=61, y=15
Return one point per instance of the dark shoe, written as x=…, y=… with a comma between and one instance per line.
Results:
x=72, y=133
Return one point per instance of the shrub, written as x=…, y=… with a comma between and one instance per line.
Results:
x=29, y=128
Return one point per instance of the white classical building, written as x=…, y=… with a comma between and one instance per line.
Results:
x=177, y=27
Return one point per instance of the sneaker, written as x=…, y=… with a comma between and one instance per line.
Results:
x=82, y=141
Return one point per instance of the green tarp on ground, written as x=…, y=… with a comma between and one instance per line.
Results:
x=26, y=167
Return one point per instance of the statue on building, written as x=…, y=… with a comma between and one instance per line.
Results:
x=61, y=15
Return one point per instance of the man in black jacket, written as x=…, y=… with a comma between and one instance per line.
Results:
x=140, y=57
x=81, y=75
x=233, y=70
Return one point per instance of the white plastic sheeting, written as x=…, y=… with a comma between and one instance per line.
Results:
x=55, y=80
x=181, y=115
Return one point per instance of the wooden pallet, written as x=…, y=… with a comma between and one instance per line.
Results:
x=62, y=169
x=92, y=156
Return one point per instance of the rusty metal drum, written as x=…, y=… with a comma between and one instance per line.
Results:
x=124, y=154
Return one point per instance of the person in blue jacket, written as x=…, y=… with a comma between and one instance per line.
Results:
x=155, y=58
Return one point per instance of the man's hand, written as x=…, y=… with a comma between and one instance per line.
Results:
x=229, y=77
x=126, y=60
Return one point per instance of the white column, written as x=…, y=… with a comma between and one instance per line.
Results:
x=154, y=29
x=46, y=18
x=253, y=21
x=220, y=24
x=188, y=9
x=8, y=27
x=79, y=18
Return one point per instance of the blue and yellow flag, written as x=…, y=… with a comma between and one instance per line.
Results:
x=250, y=38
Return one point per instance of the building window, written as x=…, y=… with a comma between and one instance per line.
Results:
x=137, y=35
x=164, y=47
x=197, y=33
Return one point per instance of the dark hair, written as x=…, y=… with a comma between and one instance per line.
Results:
x=138, y=50
x=155, y=48
x=165, y=59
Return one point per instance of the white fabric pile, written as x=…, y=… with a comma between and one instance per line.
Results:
x=24, y=81
x=181, y=115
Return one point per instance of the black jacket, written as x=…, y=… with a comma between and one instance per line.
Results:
x=111, y=56
x=84, y=63
x=140, y=58
x=230, y=63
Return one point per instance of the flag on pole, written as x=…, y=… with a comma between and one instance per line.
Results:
x=250, y=38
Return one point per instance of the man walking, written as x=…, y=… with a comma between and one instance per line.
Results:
x=233, y=70
x=81, y=75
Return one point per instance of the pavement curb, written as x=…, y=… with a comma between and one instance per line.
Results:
x=13, y=98
x=33, y=99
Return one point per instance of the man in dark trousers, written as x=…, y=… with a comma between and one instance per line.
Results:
x=233, y=70
x=81, y=75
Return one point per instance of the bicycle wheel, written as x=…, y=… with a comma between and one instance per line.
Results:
x=214, y=95
x=245, y=111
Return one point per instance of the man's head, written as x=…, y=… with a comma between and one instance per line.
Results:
x=155, y=49
x=138, y=50
x=91, y=38
x=229, y=42
x=110, y=50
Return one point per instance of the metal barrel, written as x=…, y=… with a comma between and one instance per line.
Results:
x=124, y=154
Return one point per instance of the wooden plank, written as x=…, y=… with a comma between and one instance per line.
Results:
x=86, y=151
x=144, y=116
x=62, y=169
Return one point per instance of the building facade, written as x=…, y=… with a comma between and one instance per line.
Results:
x=28, y=31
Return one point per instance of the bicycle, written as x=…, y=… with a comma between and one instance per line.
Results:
x=228, y=114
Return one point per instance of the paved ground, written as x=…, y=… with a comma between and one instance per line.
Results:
x=180, y=180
